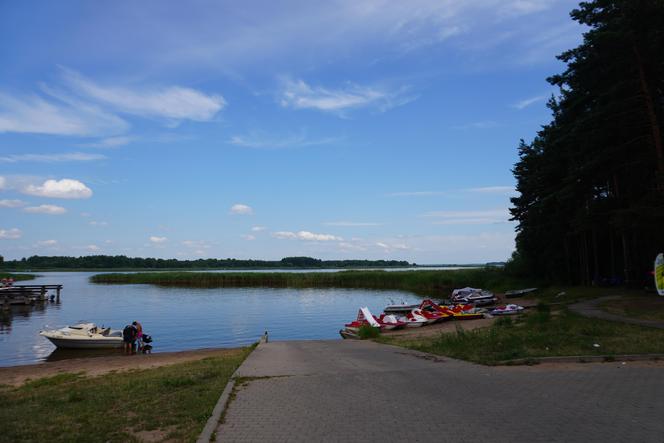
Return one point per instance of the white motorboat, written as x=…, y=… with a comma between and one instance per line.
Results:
x=473, y=295
x=84, y=336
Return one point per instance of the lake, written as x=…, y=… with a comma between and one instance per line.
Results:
x=183, y=318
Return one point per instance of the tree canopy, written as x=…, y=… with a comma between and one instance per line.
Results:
x=591, y=183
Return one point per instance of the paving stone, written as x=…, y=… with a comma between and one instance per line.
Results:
x=361, y=391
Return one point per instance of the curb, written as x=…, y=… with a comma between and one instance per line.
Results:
x=213, y=422
x=582, y=359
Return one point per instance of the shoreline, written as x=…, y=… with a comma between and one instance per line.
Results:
x=99, y=365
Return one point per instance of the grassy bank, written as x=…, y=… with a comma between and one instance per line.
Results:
x=435, y=282
x=17, y=277
x=168, y=403
x=541, y=333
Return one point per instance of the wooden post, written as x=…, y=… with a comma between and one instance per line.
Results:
x=57, y=294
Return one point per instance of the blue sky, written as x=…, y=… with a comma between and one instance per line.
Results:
x=340, y=129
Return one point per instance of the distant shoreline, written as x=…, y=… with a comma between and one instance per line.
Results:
x=282, y=269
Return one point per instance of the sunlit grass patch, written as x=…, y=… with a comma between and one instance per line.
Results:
x=167, y=403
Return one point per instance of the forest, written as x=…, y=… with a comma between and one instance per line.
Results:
x=123, y=262
x=590, y=208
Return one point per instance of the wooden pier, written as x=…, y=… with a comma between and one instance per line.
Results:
x=28, y=294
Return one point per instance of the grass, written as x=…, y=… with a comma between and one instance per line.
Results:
x=17, y=277
x=645, y=307
x=434, y=282
x=167, y=403
x=542, y=333
x=367, y=331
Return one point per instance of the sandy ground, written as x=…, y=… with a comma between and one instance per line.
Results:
x=17, y=375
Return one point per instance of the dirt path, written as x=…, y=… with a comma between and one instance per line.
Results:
x=17, y=375
x=591, y=308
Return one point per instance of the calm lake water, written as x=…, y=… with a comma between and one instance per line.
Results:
x=180, y=319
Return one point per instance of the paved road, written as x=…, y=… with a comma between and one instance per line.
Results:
x=590, y=308
x=347, y=391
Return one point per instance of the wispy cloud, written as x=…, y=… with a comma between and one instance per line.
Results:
x=240, y=209
x=111, y=142
x=485, y=124
x=263, y=141
x=34, y=114
x=484, y=217
x=258, y=228
x=522, y=104
x=305, y=235
x=297, y=94
x=46, y=209
x=10, y=234
x=5, y=203
x=505, y=190
x=171, y=102
x=65, y=188
x=351, y=224
x=52, y=158
x=157, y=240
x=47, y=243
x=417, y=193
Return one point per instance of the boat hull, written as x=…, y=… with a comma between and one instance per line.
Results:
x=74, y=343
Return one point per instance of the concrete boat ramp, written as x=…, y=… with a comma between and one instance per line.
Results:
x=348, y=390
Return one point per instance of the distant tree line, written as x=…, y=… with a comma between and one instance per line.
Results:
x=591, y=184
x=123, y=262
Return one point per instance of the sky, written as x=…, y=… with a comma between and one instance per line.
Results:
x=344, y=129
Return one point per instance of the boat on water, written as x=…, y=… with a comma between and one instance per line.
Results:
x=84, y=336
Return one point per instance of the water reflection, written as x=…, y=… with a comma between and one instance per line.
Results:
x=181, y=318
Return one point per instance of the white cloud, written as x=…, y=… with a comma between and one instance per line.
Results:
x=98, y=223
x=112, y=142
x=258, y=229
x=484, y=217
x=158, y=240
x=34, y=114
x=196, y=244
x=51, y=158
x=12, y=203
x=240, y=209
x=47, y=243
x=485, y=124
x=3, y=183
x=493, y=190
x=46, y=209
x=172, y=102
x=306, y=236
x=92, y=248
x=351, y=224
x=249, y=237
x=299, y=95
x=417, y=193
x=522, y=104
x=10, y=234
x=262, y=141
x=65, y=188
x=505, y=190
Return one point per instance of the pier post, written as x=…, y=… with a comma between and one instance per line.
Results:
x=57, y=294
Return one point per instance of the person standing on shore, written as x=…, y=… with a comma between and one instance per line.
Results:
x=139, y=334
x=129, y=334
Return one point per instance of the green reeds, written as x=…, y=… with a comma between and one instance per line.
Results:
x=425, y=282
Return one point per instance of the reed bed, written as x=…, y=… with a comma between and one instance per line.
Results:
x=425, y=282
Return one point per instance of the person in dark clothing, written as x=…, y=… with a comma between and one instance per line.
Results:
x=129, y=334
